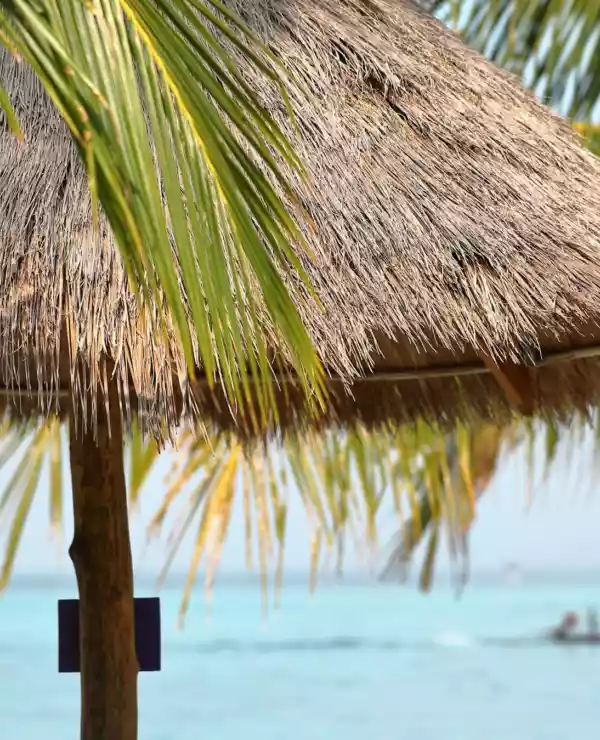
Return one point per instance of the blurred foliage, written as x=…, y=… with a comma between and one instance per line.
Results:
x=348, y=484
x=553, y=45
x=591, y=135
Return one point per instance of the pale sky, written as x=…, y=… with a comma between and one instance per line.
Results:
x=557, y=530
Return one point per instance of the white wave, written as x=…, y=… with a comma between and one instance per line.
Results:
x=453, y=639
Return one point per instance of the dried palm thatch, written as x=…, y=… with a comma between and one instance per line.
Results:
x=452, y=219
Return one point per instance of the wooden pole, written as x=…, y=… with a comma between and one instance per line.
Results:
x=101, y=554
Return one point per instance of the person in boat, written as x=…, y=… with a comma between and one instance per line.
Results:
x=566, y=628
x=592, y=619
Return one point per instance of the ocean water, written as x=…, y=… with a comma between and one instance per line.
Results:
x=352, y=662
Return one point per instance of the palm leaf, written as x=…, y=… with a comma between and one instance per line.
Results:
x=32, y=448
x=19, y=493
x=143, y=453
x=182, y=157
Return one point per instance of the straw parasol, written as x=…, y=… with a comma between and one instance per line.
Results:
x=453, y=236
x=451, y=219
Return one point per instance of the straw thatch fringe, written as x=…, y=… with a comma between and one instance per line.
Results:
x=450, y=215
x=64, y=301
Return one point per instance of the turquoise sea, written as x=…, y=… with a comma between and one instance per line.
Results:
x=355, y=661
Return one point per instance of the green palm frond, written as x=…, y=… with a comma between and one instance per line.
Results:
x=181, y=156
x=11, y=117
x=143, y=454
x=445, y=493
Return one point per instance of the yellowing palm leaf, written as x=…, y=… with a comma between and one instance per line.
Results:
x=346, y=483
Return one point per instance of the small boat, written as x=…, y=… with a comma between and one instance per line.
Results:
x=576, y=638
x=565, y=633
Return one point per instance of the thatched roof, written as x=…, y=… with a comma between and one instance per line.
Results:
x=454, y=218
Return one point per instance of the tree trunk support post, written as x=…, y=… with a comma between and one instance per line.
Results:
x=101, y=554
